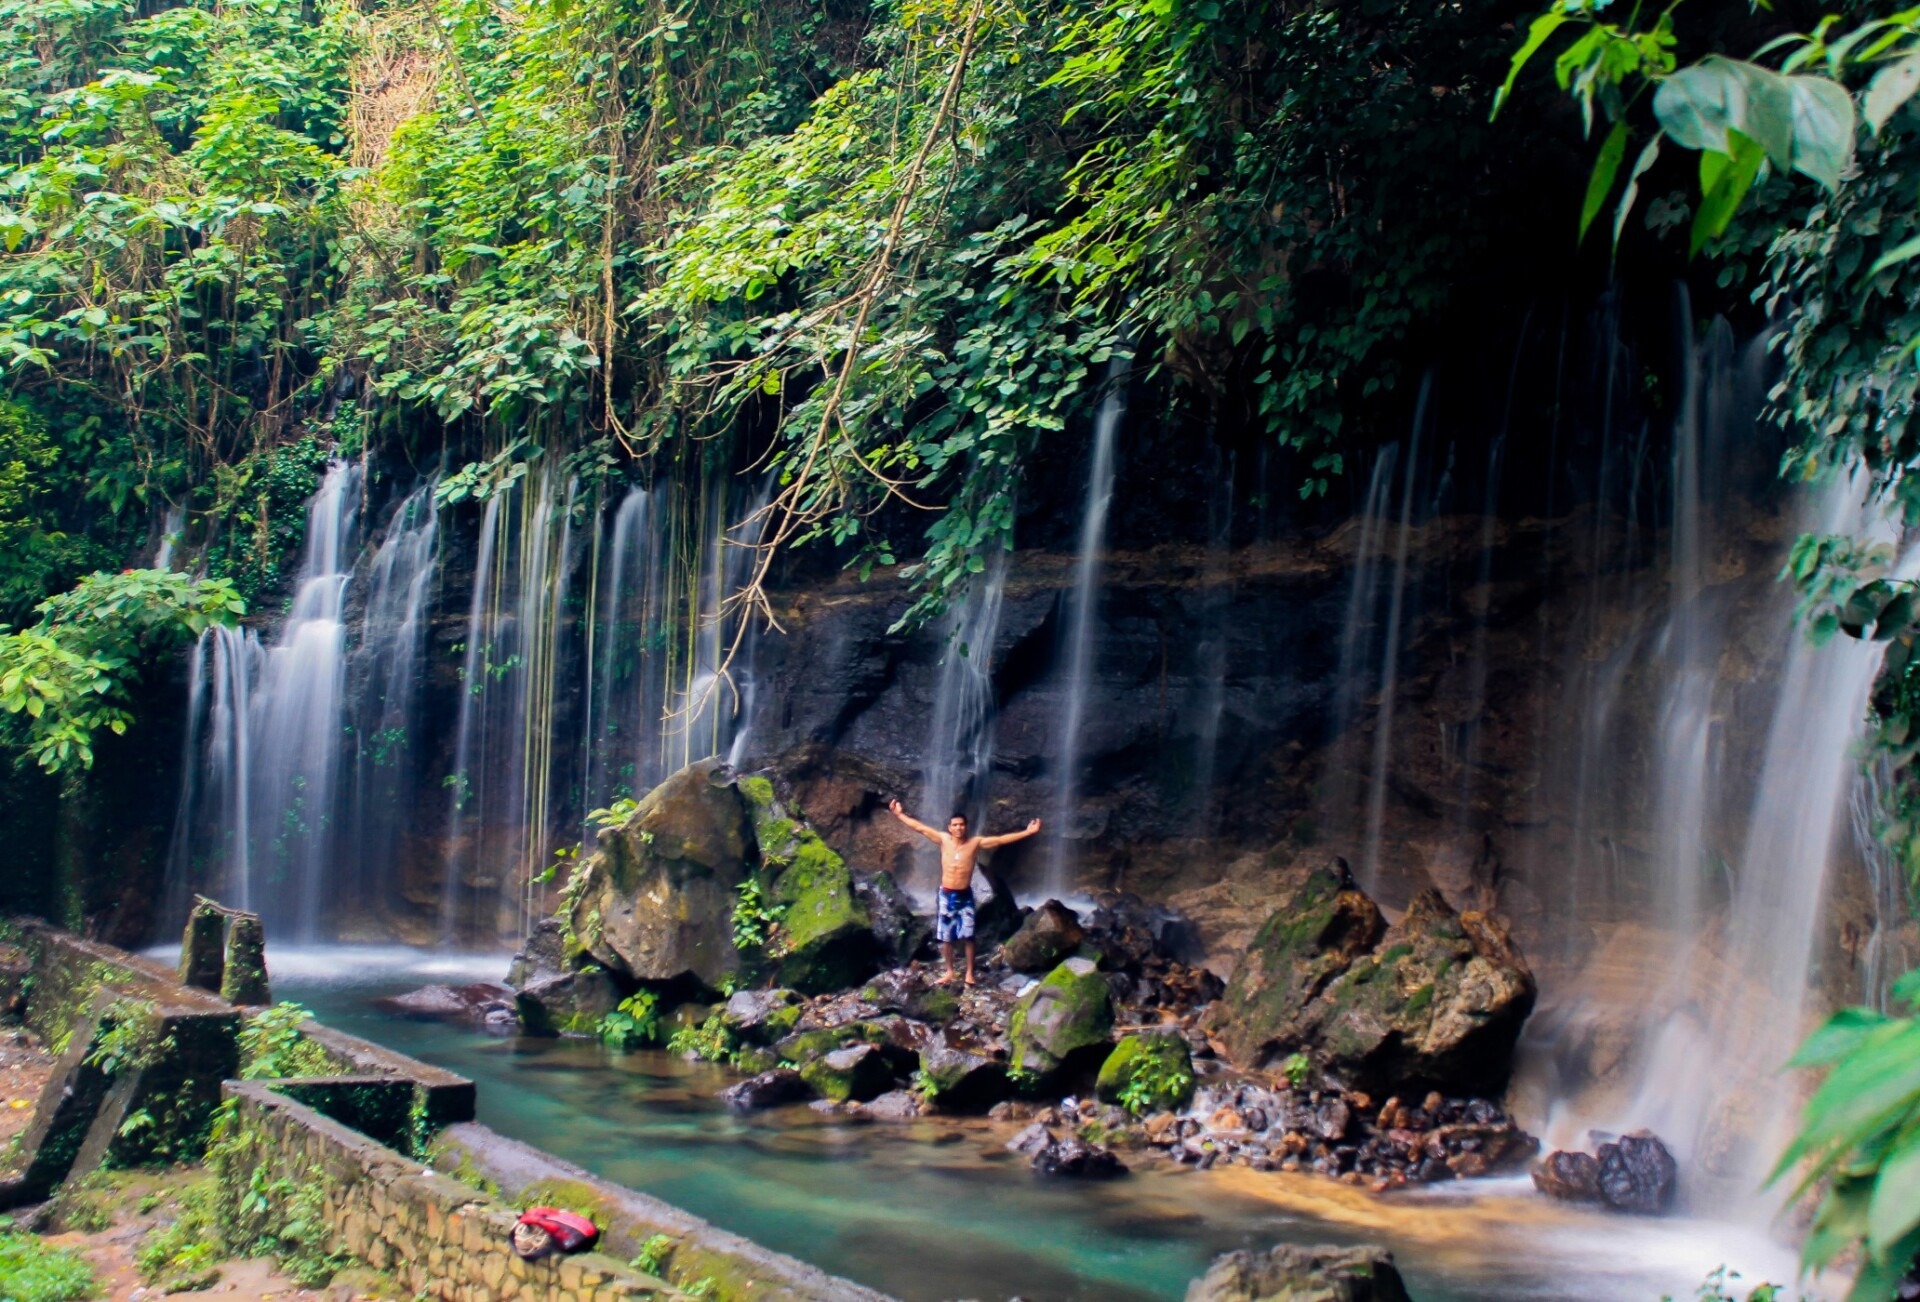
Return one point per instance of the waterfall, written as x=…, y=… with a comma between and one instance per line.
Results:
x=1083, y=614
x=1353, y=676
x=1390, y=656
x=383, y=673
x=273, y=729
x=960, y=744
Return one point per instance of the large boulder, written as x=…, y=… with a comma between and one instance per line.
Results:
x=1049, y=934
x=1294, y=1274
x=1068, y=1013
x=655, y=902
x=961, y=1080
x=1637, y=1174
x=1437, y=1001
x=858, y=1072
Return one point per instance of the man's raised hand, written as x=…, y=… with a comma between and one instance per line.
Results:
x=893, y=807
x=1033, y=827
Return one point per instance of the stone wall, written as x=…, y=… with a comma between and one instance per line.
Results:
x=436, y=1236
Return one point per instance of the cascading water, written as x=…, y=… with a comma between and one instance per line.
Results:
x=960, y=745
x=1390, y=656
x=1083, y=614
x=273, y=730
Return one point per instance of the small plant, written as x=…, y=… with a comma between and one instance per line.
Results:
x=1296, y=1069
x=711, y=1041
x=924, y=1085
x=131, y=1040
x=705, y=1286
x=634, y=1023
x=1717, y=1288
x=30, y=1271
x=182, y=1254
x=272, y=1047
x=754, y=919
x=614, y=815
x=653, y=1254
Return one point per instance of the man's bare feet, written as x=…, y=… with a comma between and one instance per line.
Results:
x=945, y=978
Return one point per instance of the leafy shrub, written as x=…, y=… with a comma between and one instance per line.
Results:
x=711, y=1041
x=30, y=1271
x=272, y=1047
x=1296, y=1069
x=635, y=1022
x=754, y=918
x=1859, y=1141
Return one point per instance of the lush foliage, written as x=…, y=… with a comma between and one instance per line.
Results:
x=30, y=1271
x=273, y=1048
x=755, y=918
x=1858, y=1150
x=69, y=675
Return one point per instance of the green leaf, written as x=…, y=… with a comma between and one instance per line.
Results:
x=1895, y=1209
x=1895, y=256
x=1823, y=129
x=1538, y=35
x=1692, y=105
x=1628, y=196
x=1605, y=168
x=1725, y=180
x=1891, y=87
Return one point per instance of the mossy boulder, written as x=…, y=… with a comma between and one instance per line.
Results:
x=1161, y=1063
x=828, y=938
x=1301, y=1274
x=1066, y=1016
x=1437, y=1001
x=858, y=1072
x=762, y=1016
x=655, y=901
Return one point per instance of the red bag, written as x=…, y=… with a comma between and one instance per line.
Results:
x=548, y=1229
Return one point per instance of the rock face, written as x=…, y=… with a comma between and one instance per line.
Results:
x=1290, y=1274
x=1161, y=1065
x=571, y=1003
x=1438, y=1000
x=1070, y=1011
x=657, y=903
x=1049, y=934
x=858, y=1072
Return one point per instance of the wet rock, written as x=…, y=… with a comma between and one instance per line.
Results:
x=475, y=1002
x=1331, y=1119
x=770, y=1089
x=1031, y=1140
x=1128, y=931
x=762, y=1016
x=859, y=1072
x=1049, y=934
x=1069, y=1012
x=657, y=902
x=894, y=1105
x=1078, y=1159
x=1569, y=1175
x=1438, y=1000
x=900, y=932
x=1637, y=1174
x=1301, y=1274
x=1158, y=1064
x=571, y=1003
x=960, y=1080
x=244, y=982
x=544, y=955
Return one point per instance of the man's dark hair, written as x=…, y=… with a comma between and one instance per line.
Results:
x=956, y=814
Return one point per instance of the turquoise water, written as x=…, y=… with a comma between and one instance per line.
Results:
x=937, y=1209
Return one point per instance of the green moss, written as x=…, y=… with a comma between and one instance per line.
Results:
x=1394, y=954
x=1420, y=1000
x=569, y=1196
x=823, y=944
x=758, y=790
x=939, y=1006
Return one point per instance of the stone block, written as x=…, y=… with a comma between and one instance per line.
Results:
x=202, y=949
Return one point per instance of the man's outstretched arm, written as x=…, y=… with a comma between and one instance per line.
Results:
x=1007, y=838
x=893, y=807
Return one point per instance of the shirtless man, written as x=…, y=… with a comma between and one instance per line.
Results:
x=954, y=920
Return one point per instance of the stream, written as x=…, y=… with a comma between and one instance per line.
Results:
x=937, y=1208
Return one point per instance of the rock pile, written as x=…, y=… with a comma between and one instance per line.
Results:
x=1633, y=1173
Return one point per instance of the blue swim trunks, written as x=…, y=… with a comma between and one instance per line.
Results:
x=954, y=919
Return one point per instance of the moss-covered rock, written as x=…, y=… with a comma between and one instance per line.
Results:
x=1438, y=1001
x=1067, y=1014
x=655, y=901
x=1159, y=1067
x=858, y=1072
x=826, y=939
